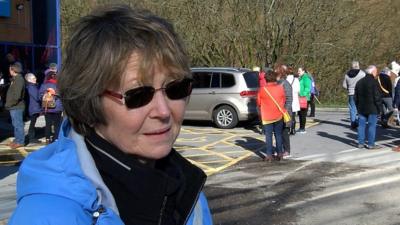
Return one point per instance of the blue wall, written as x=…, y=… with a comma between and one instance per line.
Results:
x=5, y=9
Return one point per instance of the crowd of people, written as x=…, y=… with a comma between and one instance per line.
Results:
x=373, y=96
x=284, y=92
x=25, y=98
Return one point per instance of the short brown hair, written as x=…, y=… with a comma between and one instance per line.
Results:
x=16, y=67
x=97, y=54
x=281, y=70
x=270, y=76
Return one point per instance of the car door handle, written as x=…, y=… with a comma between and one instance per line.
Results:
x=212, y=93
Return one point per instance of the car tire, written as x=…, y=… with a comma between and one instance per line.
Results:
x=225, y=117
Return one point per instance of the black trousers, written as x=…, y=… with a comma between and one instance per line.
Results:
x=53, y=120
x=302, y=118
x=311, y=105
x=31, y=130
x=293, y=127
x=285, y=139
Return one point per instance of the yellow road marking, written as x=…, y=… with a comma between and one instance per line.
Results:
x=9, y=162
x=217, y=153
x=201, y=165
x=196, y=139
x=226, y=144
x=196, y=155
x=229, y=134
x=233, y=162
x=22, y=152
x=214, y=161
x=9, y=153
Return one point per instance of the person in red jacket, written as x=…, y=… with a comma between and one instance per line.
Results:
x=271, y=116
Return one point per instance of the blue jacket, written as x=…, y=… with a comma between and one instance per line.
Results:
x=42, y=91
x=34, y=100
x=60, y=185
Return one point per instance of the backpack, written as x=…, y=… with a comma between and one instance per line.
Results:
x=48, y=101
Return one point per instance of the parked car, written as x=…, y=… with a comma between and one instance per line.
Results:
x=223, y=95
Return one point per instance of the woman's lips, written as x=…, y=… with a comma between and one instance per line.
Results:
x=158, y=132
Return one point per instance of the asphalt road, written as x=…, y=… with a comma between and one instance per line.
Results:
x=326, y=181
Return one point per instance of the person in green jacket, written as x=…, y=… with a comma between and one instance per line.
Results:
x=305, y=91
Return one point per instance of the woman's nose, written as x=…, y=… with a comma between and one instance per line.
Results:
x=160, y=105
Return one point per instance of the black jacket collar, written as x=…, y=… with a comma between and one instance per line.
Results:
x=144, y=194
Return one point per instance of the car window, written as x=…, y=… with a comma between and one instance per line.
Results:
x=216, y=81
x=251, y=79
x=201, y=79
x=227, y=80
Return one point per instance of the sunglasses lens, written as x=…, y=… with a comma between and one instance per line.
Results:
x=179, y=89
x=139, y=97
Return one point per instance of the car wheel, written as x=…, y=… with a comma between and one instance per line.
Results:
x=225, y=117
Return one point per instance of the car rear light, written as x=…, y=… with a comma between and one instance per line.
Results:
x=248, y=94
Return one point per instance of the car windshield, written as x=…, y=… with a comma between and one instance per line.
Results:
x=251, y=79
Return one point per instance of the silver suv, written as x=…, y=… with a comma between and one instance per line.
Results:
x=224, y=95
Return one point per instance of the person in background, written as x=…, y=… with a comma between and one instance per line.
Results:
x=282, y=71
x=394, y=73
x=33, y=106
x=396, y=106
x=52, y=68
x=114, y=162
x=261, y=84
x=3, y=90
x=305, y=91
x=349, y=83
x=386, y=89
x=15, y=104
x=271, y=115
x=52, y=107
x=261, y=76
x=9, y=60
x=369, y=102
x=295, y=84
x=314, y=93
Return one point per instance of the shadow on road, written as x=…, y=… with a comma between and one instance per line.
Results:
x=350, y=137
x=7, y=170
x=261, y=191
x=251, y=144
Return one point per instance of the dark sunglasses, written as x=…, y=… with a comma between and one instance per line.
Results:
x=141, y=96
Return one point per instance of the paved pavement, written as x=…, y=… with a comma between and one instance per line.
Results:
x=325, y=171
x=211, y=149
x=327, y=181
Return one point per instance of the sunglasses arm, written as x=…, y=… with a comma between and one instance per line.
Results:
x=117, y=97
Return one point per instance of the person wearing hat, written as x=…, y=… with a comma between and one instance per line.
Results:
x=52, y=112
x=349, y=83
x=394, y=73
x=52, y=68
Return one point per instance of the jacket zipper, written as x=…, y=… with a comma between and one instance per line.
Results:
x=96, y=214
x=195, y=202
x=162, y=209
